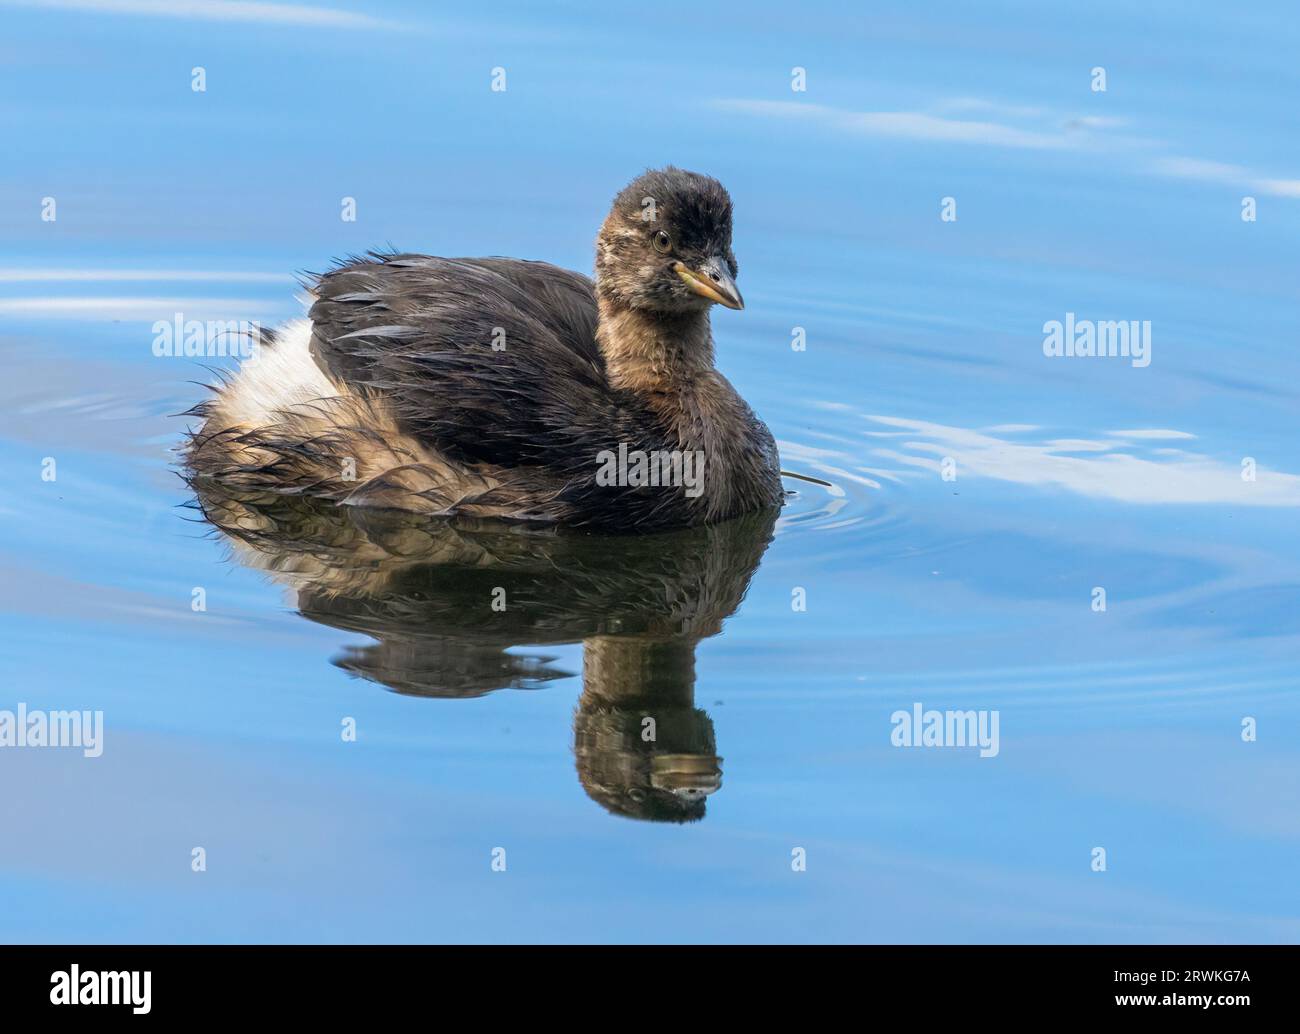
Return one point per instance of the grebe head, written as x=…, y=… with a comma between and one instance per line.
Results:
x=665, y=247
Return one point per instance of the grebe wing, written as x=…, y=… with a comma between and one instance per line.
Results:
x=487, y=360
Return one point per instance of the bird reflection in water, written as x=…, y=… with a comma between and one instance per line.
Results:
x=424, y=588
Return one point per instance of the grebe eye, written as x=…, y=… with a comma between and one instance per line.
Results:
x=663, y=243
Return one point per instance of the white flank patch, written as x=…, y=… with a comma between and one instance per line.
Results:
x=279, y=377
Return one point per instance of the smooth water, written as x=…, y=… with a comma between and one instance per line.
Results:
x=977, y=494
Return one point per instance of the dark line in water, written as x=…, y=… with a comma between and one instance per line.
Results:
x=805, y=477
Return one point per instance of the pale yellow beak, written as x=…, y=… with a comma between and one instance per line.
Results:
x=712, y=281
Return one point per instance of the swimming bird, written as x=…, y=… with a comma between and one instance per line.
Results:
x=504, y=388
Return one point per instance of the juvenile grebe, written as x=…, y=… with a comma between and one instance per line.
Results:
x=513, y=389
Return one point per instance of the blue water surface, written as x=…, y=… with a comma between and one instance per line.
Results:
x=977, y=492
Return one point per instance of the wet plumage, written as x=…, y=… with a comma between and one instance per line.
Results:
x=494, y=387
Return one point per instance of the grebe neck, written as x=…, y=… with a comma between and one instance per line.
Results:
x=654, y=353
